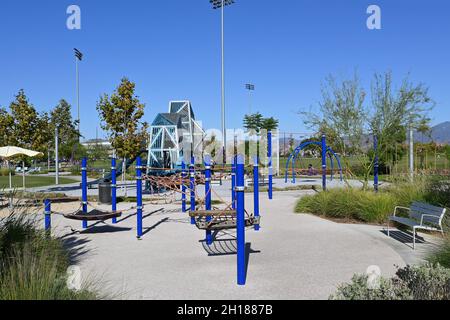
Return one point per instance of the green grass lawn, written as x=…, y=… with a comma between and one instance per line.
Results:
x=32, y=181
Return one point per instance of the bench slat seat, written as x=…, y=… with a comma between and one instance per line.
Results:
x=420, y=216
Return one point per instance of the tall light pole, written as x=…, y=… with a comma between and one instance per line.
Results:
x=78, y=57
x=220, y=4
x=250, y=87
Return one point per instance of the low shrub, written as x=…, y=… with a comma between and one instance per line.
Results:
x=438, y=191
x=371, y=207
x=4, y=172
x=426, y=282
x=359, y=289
x=32, y=264
x=352, y=204
x=442, y=254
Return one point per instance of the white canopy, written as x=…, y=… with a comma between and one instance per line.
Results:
x=9, y=152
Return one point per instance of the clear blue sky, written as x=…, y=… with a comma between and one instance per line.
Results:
x=171, y=49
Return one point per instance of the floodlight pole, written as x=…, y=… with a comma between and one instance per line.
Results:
x=250, y=87
x=224, y=133
x=78, y=57
x=216, y=4
x=78, y=94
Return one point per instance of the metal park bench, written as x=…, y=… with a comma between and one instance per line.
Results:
x=420, y=216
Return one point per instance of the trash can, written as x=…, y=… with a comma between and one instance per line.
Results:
x=104, y=192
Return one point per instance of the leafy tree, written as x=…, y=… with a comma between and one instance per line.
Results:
x=253, y=121
x=394, y=112
x=269, y=124
x=341, y=117
x=6, y=124
x=98, y=151
x=61, y=118
x=25, y=118
x=256, y=122
x=349, y=124
x=121, y=116
x=29, y=129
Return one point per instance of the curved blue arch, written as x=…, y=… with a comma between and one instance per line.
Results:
x=294, y=155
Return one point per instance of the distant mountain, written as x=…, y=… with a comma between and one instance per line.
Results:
x=439, y=134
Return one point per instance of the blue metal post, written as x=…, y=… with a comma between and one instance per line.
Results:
x=240, y=232
x=233, y=183
x=139, y=196
x=376, y=164
x=256, y=189
x=269, y=155
x=192, y=186
x=294, y=174
x=332, y=165
x=84, y=197
x=208, y=203
x=48, y=215
x=324, y=162
x=183, y=186
x=113, y=188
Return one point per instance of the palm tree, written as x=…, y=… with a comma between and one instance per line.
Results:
x=269, y=124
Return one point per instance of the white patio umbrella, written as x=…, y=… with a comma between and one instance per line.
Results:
x=9, y=152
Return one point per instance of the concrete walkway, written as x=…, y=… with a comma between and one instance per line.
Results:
x=294, y=256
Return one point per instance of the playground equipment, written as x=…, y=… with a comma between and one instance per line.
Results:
x=202, y=213
x=233, y=216
x=82, y=214
x=326, y=150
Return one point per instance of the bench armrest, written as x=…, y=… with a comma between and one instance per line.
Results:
x=398, y=207
x=430, y=216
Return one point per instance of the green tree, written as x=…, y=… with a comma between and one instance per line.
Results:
x=269, y=124
x=393, y=112
x=342, y=118
x=61, y=118
x=98, y=151
x=349, y=124
x=253, y=121
x=25, y=118
x=121, y=116
x=29, y=129
x=6, y=124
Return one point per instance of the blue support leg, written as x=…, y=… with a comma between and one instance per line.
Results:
x=183, y=186
x=139, y=197
x=324, y=163
x=208, y=203
x=113, y=188
x=269, y=155
x=192, y=186
x=48, y=216
x=233, y=183
x=240, y=231
x=84, y=197
x=256, y=190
